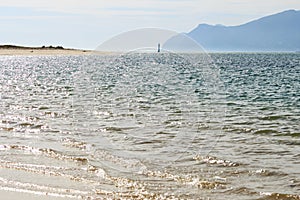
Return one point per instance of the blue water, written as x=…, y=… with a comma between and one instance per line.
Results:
x=156, y=126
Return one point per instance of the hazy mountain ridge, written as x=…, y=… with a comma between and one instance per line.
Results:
x=278, y=32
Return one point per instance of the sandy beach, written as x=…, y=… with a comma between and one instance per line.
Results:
x=10, y=50
x=13, y=195
x=13, y=52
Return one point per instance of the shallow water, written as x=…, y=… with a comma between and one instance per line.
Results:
x=156, y=126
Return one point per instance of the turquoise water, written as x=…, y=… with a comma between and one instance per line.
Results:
x=156, y=126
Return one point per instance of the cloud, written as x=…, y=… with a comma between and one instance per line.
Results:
x=89, y=6
x=90, y=21
x=156, y=7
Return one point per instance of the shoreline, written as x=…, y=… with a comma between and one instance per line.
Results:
x=12, y=50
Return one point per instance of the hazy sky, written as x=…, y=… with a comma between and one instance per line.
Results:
x=88, y=23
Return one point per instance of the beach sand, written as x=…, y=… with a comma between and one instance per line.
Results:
x=12, y=195
x=37, y=52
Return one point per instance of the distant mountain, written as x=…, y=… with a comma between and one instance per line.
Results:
x=278, y=32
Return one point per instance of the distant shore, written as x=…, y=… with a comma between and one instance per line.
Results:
x=44, y=50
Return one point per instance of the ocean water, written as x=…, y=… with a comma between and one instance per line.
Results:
x=151, y=126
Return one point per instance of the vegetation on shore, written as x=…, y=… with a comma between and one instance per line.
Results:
x=43, y=50
x=32, y=48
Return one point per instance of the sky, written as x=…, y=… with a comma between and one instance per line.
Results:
x=86, y=24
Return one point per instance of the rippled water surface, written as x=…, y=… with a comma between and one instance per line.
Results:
x=156, y=126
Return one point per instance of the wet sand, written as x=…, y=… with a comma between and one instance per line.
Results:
x=13, y=195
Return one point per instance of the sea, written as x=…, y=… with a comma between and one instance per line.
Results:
x=143, y=125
